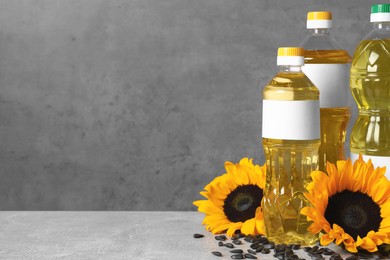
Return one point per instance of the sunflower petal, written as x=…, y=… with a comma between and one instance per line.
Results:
x=314, y=228
x=367, y=244
x=233, y=227
x=248, y=228
x=326, y=239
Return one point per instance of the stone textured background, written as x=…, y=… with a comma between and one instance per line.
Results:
x=137, y=104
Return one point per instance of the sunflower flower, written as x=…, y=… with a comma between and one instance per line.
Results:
x=350, y=205
x=234, y=200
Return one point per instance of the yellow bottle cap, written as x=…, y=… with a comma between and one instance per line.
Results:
x=319, y=20
x=319, y=15
x=291, y=51
x=293, y=56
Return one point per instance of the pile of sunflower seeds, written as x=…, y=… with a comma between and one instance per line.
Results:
x=260, y=245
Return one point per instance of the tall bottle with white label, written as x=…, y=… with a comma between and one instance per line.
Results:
x=327, y=66
x=291, y=138
x=370, y=86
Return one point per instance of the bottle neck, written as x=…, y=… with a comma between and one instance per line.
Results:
x=319, y=31
x=382, y=25
x=290, y=68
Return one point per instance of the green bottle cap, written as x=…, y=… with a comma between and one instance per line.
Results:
x=380, y=13
x=381, y=8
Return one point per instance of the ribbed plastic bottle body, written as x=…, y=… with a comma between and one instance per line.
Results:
x=370, y=87
x=291, y=99
x=327, y=65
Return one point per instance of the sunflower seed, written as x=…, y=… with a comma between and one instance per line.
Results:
x=249, y=256
x=220, y=238
x=237, y=251
x=335, y=257
x=229, y=245
x=259, y=249
x=288, y=252
x=249, y=238
x=314, y=249
x=240, y=256
x=196, y=235
x=255, y=245
x=315, y=256
x=263, y=240
x=280, y=248
x=307, y=248
x=216, y=253
x=352, y=257
x=250, y=251
x=367, y=256
x=265, y=251
x=292, y=257
x=320, y=251
x=220, y=243
x=328, y=251
x=270, y=245
x=237, y=242
x=279, y=255
x=296, y=246
x=240, y=235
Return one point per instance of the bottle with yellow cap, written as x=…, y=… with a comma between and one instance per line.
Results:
x=327, y=66
x=291, y=138
x=370, y=86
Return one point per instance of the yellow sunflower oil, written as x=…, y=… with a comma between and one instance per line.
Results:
x=370, y=87
x=327, y=66
x=291, y=139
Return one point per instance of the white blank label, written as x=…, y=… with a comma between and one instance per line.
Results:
x=291, y=120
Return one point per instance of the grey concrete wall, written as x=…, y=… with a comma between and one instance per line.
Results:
x=136, y=104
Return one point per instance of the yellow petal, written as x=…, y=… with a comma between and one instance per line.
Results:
x=385, y=223
x=314, y=228
x=245, y=161
x=326, y=240
x=367, y=244
x=248, y=228
x=351, y=247
x=220, y=228
x=233, y=227
x=260, y=228
x=209, y=208
x=385, y=209
x=376, y=237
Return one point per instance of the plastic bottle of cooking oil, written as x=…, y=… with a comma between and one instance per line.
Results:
x=370, y=86
x=291, y=139
x=327, y=65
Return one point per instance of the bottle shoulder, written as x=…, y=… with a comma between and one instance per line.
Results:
x=290, y=86
x=324, y=49
x=378, y=33
x=327, y=56
x=372, y=55
x=320, y=42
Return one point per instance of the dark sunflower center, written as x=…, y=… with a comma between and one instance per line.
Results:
x=355, y=212
x=241, y=204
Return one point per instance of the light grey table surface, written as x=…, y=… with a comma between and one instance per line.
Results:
x=108, y=235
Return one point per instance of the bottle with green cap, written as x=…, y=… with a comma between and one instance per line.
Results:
x=370, y=87
x=291, y=138
x=327, y=65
